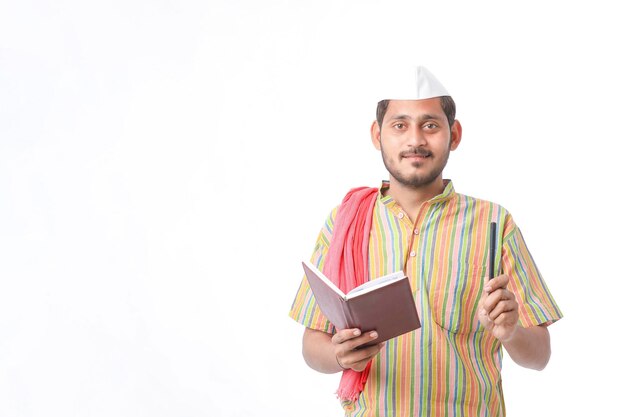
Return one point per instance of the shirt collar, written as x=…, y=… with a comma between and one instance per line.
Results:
x=447, y=193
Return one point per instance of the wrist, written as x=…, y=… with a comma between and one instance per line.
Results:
x=512, y=335
x=339, y=363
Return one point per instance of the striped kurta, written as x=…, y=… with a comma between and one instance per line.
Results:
x=451, y=365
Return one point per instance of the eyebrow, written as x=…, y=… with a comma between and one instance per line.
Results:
x=421, y=118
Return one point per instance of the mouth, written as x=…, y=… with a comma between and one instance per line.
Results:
x=416, y=156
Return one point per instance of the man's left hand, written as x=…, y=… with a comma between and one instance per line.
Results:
x=497, y=308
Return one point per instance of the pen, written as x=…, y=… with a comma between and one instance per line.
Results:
x=492, y=250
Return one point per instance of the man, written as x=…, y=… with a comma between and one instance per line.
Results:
x=439, y=238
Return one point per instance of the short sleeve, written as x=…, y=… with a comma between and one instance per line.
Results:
x=537, y=306
x=304, y=309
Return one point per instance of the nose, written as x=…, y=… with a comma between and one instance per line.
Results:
x=416, y=137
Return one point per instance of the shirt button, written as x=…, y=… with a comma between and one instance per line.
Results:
x=401, y=215
x=412, y=253
x=416, y=231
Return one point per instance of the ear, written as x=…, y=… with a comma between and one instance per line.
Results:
x=456, y=131
x=375, y=133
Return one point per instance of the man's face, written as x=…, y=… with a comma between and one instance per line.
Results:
x=415, y=140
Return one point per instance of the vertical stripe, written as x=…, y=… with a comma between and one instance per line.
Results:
x=450, y=366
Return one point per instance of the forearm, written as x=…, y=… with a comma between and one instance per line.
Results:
x=529, y=347
x=318, y=351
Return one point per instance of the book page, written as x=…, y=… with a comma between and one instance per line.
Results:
x=375, y=283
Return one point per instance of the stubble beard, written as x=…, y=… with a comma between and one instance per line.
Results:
x=415, y=181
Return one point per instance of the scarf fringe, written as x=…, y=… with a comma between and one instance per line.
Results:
x=352, y=383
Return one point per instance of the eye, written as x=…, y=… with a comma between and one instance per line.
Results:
x=398, y=125
x=430, y=126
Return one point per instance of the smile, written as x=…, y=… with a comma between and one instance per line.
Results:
x=415, y=157
x=418, y=154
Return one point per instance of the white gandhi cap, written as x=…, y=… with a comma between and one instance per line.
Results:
x=409, y=83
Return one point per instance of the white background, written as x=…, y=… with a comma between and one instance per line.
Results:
x=165, y=166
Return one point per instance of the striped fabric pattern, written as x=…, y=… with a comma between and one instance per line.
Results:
x=450, y=366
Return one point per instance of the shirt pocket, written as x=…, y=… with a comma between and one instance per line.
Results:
x=454, y=297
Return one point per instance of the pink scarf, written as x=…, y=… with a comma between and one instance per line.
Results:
x=347, y=264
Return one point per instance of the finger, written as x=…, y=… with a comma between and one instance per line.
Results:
x=360, y=366
x=354, y=357
x=494, y=298
x=493, y=284
x=501, y=281
x=502, y=307
x=507, y=318
x=488, y=324
x=343, y=335
x=365, y=338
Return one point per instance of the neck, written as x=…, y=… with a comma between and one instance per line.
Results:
x=411, y=198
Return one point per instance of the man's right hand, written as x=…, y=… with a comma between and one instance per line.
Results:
x=346, y=343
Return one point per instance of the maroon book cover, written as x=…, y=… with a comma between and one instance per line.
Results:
x=385, y=304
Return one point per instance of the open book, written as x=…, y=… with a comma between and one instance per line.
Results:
x=385, y=304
